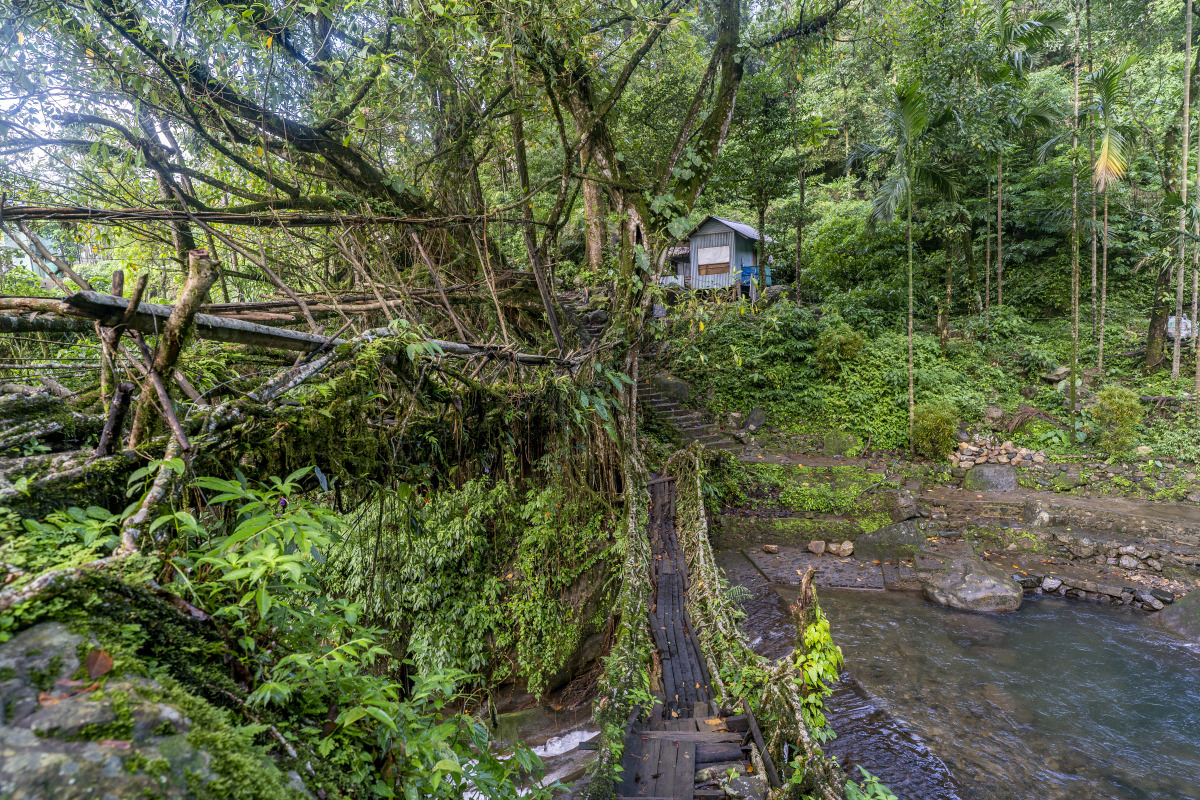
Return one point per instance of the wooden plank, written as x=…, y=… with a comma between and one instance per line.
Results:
x=691, y=736
x=712, y=752
x=631, y=761
x=667, y=756
x=649, y=781
x=685, y=771
x=772, y=775
x=738, y=723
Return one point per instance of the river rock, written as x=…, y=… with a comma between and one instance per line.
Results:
x=972, y=585
x=673, y=389
x=991, y=478
x=1183, y=617
x=770, y=548
x=816, y=547
x=1150, y=600
x=1050, y=584
x=1128, y=562
x=839, y=443
x=891, y=543
x=847, y=549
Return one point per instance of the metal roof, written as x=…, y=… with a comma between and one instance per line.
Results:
x=740, y=227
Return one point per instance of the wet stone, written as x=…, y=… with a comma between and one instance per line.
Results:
x=972, y=585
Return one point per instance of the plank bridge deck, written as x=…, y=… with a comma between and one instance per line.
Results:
x=686, y=730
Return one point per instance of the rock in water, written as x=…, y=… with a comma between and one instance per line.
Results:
x=991, y=478
x=1183, y=617
x=972, y=585
x=817, y=547
x=892, y=543
x=770, y=548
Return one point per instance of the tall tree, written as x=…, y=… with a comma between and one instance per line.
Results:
x=907, y=152
x=1183, y=181
x=1075, y=226
x=1108, y=94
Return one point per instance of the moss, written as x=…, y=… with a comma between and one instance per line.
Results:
x=165, y=728
x=874, y=522
x=120, y=728
x=154, y=767
x=44, y=679
x=7, y=673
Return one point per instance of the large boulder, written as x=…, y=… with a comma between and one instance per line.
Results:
x=891, y=543
x=991, y=478
x=971, y=585
x=673, y=389
x=1183, y=617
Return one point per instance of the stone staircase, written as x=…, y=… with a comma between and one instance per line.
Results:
x=691, y=425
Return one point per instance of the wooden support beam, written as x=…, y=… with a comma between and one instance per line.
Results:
x=39, y=323
x=772, y=775
x=150, y=318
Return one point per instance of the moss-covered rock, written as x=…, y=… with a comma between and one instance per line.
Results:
x=891, y=543
x=124, y=736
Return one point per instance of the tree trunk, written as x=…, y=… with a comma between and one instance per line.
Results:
x=968, y=245
x=987, y=267
x=799, y=236
x=1092, y=161
x=1103, y=293
x=594, y=225
x=912, y=413
x=944, y=317
x=999, y=228
x=1160, y=309
x=762, y=247
x=1075, y=231
x=1187, y=145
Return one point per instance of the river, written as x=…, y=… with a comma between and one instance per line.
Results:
x=1061, y=699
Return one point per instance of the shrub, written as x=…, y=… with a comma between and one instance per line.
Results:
x=1118, y=411
x=935, y=430
x=837, y=344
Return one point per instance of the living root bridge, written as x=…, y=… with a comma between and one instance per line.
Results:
x=698, y=717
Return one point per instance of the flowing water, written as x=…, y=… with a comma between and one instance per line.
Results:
x=1062, y=699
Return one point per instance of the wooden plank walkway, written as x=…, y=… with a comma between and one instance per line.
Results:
x=687, y=730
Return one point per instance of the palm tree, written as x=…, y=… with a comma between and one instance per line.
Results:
x=1108, y=92
x=1016, y=42
x=909, y=124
